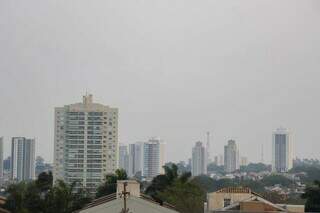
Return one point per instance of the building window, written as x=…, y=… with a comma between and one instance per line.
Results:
x=226, y=202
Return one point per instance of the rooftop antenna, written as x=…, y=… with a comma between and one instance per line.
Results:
x=124, y=194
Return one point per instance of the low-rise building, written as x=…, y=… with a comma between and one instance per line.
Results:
x=242, y=199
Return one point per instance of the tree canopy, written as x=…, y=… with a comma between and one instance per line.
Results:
x=311, y=173
x=109, y=186
x=255, y=167
x=41, y=196
x=177, y=190
x=212, y=167
x=312, y=196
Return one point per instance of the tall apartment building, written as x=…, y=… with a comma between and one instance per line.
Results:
x=147, y=158
x=1, y=160
x=22, y=159
x=85, y=143
x=199, y=160
x=231, y=157
x=135, y=158
x=123, y=157
x=153, y=158
x=281, y=151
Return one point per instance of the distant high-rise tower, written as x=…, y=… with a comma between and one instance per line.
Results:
x=22, y=159
x=199, y=160
x=281, y=151
x=221, y=160
x=231, y=157
x=85, y=143
x=123, y=157
x=153, y=158
x=208, y=157
x=1, y=160
x=216, y=160
x=135, y=158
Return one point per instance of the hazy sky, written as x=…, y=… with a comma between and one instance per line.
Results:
x=175, y=69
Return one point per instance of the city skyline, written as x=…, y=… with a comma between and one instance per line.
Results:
x=211, y=68
x=213, y=154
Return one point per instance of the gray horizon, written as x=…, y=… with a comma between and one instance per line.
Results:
x=175, y=69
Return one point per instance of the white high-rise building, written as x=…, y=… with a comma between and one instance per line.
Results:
x=231, y=157
x=22, y=159
x=85, y=143
x=199, y=160
x=153, y=158
x=281, y=151
x=123, y=157
x=135, y=158
x=1, y=160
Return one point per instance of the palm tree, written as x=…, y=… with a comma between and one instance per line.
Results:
x=161, y=182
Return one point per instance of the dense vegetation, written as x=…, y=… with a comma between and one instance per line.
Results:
x=178, y=190
x=175, y=187
x=255, y=167
x=41, y=196
x=308, y=174
x=110, y=184
x=212, y=167
x=312, y=195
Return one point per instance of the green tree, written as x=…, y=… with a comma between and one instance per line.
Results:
x=308, y=174
x=161, y=182
x=255, y=167
x=212, y=167
x=44, y=181
x=64, y=198
x=33, y=200
x=177, y=190
x=59, y=198
x=312, y=196
x=41, y=197
x=210, y=185
x=110, y=184
x=186, y=196
x=276, y=179
x=16, y=197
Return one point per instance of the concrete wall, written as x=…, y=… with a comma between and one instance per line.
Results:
x=133, y=187
x=256, y=206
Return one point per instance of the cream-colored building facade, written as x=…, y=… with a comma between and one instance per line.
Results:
x=242, y=199
x=85, y=143
x=226, y=196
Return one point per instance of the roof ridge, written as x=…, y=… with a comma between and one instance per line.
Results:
x=111, y=197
